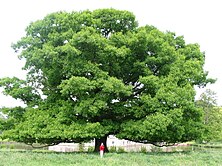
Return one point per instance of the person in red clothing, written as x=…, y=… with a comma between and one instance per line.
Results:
x=101, y=149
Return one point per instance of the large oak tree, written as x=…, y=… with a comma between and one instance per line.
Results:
x=95, y=73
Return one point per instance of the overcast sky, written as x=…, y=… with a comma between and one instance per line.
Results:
x=199, y=21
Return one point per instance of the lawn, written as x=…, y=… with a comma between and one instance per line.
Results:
x=31, y=158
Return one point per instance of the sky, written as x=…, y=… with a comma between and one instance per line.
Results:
x=199, y=21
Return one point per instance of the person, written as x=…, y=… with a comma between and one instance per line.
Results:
x=101, y=149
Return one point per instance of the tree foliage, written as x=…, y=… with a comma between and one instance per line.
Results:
x=212, y=115
x=95, y=73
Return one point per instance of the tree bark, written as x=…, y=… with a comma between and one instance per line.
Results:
x=98, y=142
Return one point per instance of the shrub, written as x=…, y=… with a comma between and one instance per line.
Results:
x=3, y=146
x=143, y=149
x=121, y=150
x=156, y=149
x=81, y=147
x=90, y=149
x=112, y=149
x=11, y=146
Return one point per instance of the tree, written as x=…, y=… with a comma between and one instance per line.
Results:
x=212, y=115
x=95, y=73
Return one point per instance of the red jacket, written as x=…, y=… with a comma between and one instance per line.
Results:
x=102, y=147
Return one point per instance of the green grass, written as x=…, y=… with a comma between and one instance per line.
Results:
x=45, y=158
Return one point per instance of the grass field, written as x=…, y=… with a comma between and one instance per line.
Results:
x=30, y=158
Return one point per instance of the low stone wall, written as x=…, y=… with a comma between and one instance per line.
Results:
x=137, y=147
x=71, y=147
x=65, y=147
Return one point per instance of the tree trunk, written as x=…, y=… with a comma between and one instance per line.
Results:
x=98, y=142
